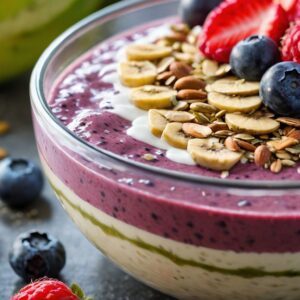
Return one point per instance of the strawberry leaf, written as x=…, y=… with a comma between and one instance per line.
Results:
x=77, y=290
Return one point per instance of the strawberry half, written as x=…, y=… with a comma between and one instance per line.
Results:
x=294, y=15
x=288, y=5
x=235, y=20
x=292, y=7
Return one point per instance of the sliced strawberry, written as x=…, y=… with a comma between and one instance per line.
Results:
x=295, y=14
x=292, y=7
x=288, y=5
x=235, y=20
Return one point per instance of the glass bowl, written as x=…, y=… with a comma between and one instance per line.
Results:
x=189, y=236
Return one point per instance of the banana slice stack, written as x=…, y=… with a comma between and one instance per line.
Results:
x=240, y=99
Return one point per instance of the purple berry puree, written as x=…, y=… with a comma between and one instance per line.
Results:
x=208, y=216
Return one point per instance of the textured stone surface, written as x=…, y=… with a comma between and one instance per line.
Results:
x=85, y=264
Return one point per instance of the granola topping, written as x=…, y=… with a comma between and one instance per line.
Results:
x=197, y=105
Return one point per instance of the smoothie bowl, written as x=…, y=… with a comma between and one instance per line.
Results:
x=177, y=220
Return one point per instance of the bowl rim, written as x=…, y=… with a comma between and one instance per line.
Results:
x=37, y=94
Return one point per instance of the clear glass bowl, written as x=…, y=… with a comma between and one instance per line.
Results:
x=230, y=240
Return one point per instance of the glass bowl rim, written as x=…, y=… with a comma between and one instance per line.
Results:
x=37, y=94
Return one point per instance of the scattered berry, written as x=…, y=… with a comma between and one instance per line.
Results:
x=21, y=182
x=290, y=50
x=35, y=255
x=51, y=290
x=252, y=57
x=280, y=89
x=235, y=20
x=194, y=12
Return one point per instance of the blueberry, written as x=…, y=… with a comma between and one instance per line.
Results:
x=252, y=57
x=35, y=255
x=194, y=12
x=21, y=182
x=280, y=89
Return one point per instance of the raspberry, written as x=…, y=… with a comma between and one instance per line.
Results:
x=49, y=289
x=291, y=44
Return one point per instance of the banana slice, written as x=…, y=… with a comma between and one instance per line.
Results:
x=234, y=103
x=251, y=124
x=234, y=86
x=137, y=73
x=223, y=70
x=209, y=67
x=157, y=122
x=147, y=52
x=211, y=154
x=152, y=96
x=174, y=135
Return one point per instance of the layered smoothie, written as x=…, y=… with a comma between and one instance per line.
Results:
x=191, y=240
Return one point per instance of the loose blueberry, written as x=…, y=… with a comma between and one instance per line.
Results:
x=194, y=12
x=35, y=255
x=280, y=89
x=21, y=182
x=252, y=57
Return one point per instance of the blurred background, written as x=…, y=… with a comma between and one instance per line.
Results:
x=28, y=26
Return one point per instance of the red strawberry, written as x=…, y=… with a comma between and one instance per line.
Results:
x=49, y=289
x=235, y=20
x=292, y=7
x=291, y=44
x=296, y=12
x=288, y=5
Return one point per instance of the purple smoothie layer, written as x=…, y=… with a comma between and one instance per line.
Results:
x=75, y=102
x=206, y=216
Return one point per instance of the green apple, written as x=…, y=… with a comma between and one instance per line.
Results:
x=28, y=26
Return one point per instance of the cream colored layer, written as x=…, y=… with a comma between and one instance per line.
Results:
x=182, y=280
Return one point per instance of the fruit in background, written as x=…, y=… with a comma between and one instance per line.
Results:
x=235, y=20
x=28, y=26
x=290, y=50
x=280, y=89
x=50, y=289
x=194, y=12
x=252, y=57
x=35, y=255
x=21, y=182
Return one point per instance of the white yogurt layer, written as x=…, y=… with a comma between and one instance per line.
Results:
x=123, y=107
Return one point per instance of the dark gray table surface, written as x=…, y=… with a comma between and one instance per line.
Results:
x=85, y=265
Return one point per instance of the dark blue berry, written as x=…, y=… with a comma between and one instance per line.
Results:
x=35, y=255
x=194, y=12
x=280, y=89
x=252, y=57
x=21, y=182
